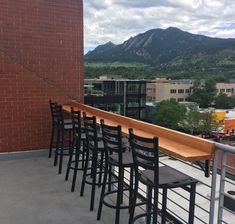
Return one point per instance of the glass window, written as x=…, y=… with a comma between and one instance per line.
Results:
x=173, y=91
x=133, y=87
x=180, y=90
x=180, y=99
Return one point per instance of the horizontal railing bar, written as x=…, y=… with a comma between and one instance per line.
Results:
x=186, y=210
x=231, y=167
x=188, y=200
x=201, y=195
x=178, y=205
x=228, y=181
x=225, y=148
x=177, y=216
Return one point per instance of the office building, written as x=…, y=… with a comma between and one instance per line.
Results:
x=122, y=96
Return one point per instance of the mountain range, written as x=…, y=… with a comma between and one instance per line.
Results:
x=170, y=48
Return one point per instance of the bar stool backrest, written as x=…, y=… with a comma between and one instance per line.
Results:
x=112, y=138
x=60, y=116
x=53, y=108
x=76, y=123
x=145, y=153
x=90, y=131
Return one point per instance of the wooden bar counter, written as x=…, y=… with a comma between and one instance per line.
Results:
x=173, y=143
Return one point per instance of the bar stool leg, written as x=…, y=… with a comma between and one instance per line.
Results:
x=57, y=146
x=155, y=205
x=131, y=188
x=93, y=171
x=106, y=168
x=119, y=194
x=71, y=150
x=121, y=180
x=101, y=167
x=164, y=201
x=52, y=140
x=84, y=172
x=149, y=204
x=83, y=153
x=133, y=202
x=61, y=152
x=77, y=156
x=192, y=203
x=110, y=178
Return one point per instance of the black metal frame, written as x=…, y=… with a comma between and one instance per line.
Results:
x=78, y=148
x=93, y=151
x=145, y=155
x=114, y=153
x=62, y=128
x=53, y=110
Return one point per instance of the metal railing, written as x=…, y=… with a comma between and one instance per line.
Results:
x=220, y=157
x=207, y=207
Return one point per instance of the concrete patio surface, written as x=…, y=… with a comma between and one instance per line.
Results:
x=32, y=192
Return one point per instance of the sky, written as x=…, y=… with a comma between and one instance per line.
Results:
x=118, y=20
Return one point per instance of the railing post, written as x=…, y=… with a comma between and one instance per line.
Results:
x=222, y=184
x=213, y=187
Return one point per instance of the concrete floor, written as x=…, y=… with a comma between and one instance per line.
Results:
x=31, y=192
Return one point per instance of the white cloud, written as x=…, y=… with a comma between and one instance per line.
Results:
x=117, y=20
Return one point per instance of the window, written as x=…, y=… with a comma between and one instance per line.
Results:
x=222, y=90
x=180, y=99
x=133, y=88
x=173, y=91
x=188, y=90
x=180, y=90
x=228, y=90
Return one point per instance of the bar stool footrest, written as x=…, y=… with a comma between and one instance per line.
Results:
x=114, y=206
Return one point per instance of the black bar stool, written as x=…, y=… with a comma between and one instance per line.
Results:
x=54, y=126
x=54, y=118
x=94, y=155
x=147, y=171
x=77, y=149
x=115, y=156
x=63, y=142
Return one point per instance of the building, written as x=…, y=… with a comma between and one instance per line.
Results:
x=122, y=96
x=229, y=123
x=41, y=58
x=226, y=88
x=226, y=119
x=163, y=89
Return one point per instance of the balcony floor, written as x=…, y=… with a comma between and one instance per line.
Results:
x=32, y=192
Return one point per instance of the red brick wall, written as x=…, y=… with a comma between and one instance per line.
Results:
x=41, y=58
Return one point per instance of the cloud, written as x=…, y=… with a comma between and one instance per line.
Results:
x=117, y=20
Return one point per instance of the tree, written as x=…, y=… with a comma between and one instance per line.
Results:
x=232, y=100
x=222, y=101
x=208, y=123
x=169, y=113
x=191, y=120
x=200, y=122
x=203, y=95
